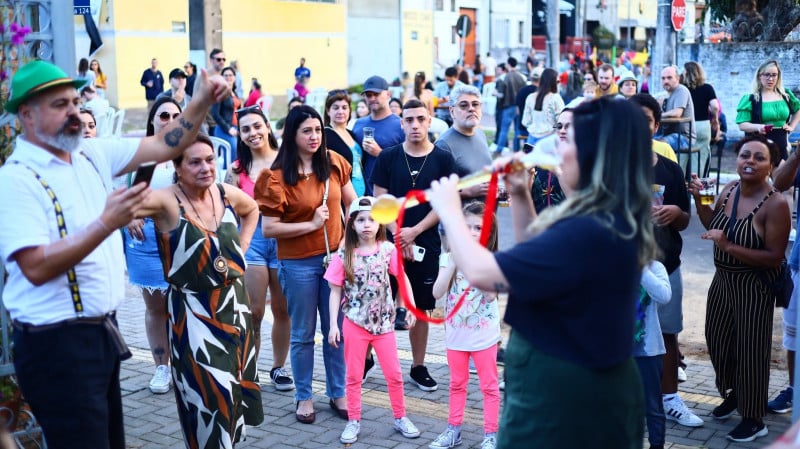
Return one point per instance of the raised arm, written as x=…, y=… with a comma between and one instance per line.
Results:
x=175, y=137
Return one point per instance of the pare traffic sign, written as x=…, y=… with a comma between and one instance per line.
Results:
x=678, y=14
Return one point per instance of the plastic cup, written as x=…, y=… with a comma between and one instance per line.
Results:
x=369, y=133
x=709, y=192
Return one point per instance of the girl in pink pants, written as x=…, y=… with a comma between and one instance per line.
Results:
x=473, y=331
x=359, y=279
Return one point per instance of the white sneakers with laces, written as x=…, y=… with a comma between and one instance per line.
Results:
x=350, y=433
x=406, y=427
x=676, y=410
x=161, y=381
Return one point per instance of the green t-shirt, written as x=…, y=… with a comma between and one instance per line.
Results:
x=773, y=113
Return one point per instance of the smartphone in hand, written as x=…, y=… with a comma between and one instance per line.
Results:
x=144, y=173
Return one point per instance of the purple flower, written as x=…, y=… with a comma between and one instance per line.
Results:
x=17, y=39
x=3, y=75
x=14, y=27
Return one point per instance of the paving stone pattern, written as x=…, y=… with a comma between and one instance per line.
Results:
x=151, y=420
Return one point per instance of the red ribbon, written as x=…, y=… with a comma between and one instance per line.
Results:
x=486, y=229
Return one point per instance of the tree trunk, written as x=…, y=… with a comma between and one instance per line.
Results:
x=780, y=18
x=777, y=18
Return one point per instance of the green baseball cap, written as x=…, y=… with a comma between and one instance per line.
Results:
x=34, y=78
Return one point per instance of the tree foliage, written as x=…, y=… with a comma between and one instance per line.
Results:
x=758, y=20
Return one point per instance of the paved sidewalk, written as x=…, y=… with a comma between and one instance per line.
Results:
x=151, y=420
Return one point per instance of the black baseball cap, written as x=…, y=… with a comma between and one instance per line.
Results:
x=375, y=84
x=177, y=73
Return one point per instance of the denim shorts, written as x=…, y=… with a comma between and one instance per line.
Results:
x=144, y=264
x=262, y=252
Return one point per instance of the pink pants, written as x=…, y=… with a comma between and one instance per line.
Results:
x=355, y=352
x=486, y=364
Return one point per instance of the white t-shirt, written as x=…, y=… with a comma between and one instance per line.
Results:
x=29, y=220
x=476, y=325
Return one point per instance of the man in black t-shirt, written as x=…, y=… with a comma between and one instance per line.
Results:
x=413, y=165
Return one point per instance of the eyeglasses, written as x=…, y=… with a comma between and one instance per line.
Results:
x=769, y=75
x=560, y=126
x=254, y=108
x=165, y=116
x=466, y=105
x=220, y=59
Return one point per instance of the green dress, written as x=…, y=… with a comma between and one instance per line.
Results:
x=211, y=331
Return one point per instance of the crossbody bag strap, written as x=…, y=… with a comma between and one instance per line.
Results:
x=72, y=277
x=324, y=227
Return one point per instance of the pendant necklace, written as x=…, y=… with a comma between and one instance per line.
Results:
x=220, y=264
x=414, y=174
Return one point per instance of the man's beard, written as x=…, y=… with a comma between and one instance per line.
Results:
x=61, y=140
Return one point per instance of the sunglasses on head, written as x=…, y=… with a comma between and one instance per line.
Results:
x=337, y=92
x=164, y=116
x=254, y=108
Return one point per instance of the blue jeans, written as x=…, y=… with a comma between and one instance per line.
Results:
x=233, y=140
x=306, y=293
x=650, y=371
x=506, y=120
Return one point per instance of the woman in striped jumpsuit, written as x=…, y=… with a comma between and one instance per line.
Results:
x=740, y=305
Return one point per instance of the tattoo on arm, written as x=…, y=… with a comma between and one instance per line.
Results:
x=185, y=124
x=500, y=287
x=229, y=178
x=173, y=138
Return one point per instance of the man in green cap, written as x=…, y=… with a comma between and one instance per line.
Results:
x=65, y=275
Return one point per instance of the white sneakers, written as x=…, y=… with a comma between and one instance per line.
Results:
x=406, y=427
x=161, y=381
x=681, y=375
x=350, y=433
x=676, y=410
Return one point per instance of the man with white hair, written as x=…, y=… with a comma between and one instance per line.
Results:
x=465, y=140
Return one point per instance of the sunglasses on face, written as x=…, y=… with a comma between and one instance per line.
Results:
x=769, y=75
x=560, y=126
x=165, y=116
x=219, y=59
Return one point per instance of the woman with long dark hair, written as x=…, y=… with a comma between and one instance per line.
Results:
x=300, y=199
x=144, y=264
x=572, y=313
x=84, y=73
x=542, y=107
x=421, y=92
x=257, y=150
x=224, y=117
x=706, y=108
x=340, y=139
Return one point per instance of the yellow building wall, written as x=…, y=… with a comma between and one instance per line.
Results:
x=418, y=42
x=268, y=38
x=142, y=30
